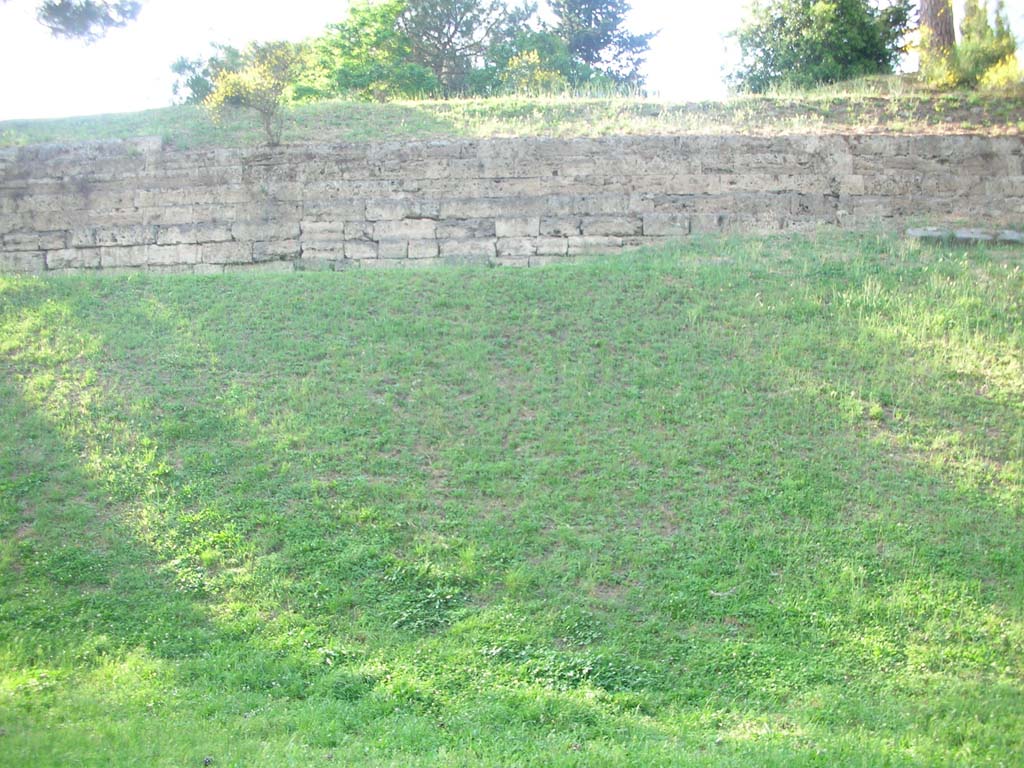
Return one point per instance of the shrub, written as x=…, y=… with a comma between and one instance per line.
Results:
x=1006, y=74
x=260, y=85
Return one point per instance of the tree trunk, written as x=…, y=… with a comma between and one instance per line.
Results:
x=937, y=34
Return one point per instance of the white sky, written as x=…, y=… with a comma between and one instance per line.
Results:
x=130, y=69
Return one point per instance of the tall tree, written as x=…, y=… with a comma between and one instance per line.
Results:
x=86, y=19
x=450, y=36
x=594, y=31
x=936, y=23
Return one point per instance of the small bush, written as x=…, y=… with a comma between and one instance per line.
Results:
x=1004, y=75
x=259, y=85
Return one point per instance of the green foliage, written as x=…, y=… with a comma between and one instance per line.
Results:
x=803, y=43
x=195, y=77
x=983, y=57
x=594, y=32
x=366, y=56
x=982, y=46
x=260, y=84
x=1003, y=76
x=525, y=73
x=86, y=19
x=530, y=61
x=452, y=37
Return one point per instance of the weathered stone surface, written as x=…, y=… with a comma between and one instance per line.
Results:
x=393, y=249
x=276, y=250
x=516, y=247
x=973, y=235
x=423, y=249
x=360, y=250
x=114, y=205
x=524, y=227
x=73, y=258
x=226, y=253
x=612, y=226
x=165, y=255
x=468, y=251
x=929, y=233
x=666, y=224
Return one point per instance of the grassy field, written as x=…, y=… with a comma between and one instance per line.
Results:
x=743, y=502
x=890, y=105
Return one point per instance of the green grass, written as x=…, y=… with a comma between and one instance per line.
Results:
x=891, y=105
x=742, y=502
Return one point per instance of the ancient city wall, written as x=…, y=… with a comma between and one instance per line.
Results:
x=137, y=205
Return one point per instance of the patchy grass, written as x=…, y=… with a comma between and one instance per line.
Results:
x=890, y=105
x=742, y=502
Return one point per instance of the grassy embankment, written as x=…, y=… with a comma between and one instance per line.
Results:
x=744, y=502
x=890, y=105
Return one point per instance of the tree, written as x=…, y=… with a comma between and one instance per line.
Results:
x=366, y=55
x=451, y=37
x=803, y=43
x=86, y=19
x=593, y=30
x=195, y=77
x=936, y=24
x=260, y=85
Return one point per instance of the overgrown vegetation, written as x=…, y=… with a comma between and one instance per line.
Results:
x=259, y=84
x=877, y=105
x=743, y=502
x=806, y=43
x=985, y=56
x=424, y=48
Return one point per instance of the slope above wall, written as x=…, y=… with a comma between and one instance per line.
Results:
x=137, y=205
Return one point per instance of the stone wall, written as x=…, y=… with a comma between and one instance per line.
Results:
x=136, y=205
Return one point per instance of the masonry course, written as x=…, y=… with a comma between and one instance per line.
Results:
x=136, y=205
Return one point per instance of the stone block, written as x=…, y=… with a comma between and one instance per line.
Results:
x=423, y=249
x=516, y=247
x=226, y=253
x=73, y=258
x=275, y=250
x=127, y=256
x=253, y=231
x=393, y=249
x=465, y=229
x=468, y=251
x=520, y=227
x=666, y=225
x=164, y=255
x=590, y=244
x=560, y=226
x=360, y=250
x=406, y=207
x=34, y=241
x=206, y=232
x=405, y=229
x=23, y=262
x=929, y=233
x=706, y=222
x=552, y=246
